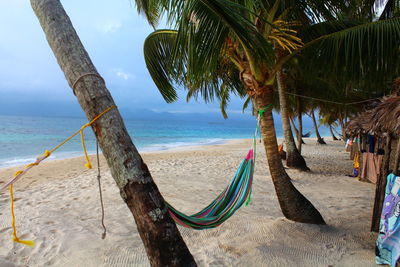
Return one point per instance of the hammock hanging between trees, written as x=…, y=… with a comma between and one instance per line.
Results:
x=237, y=193
x=226, y=204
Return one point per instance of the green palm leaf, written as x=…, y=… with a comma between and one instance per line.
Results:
x=158, y=48
x=354, y=51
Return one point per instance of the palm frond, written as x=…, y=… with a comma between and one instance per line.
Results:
x=205, y=26
x=363, y=51
x=158, y=48
x=152, y=10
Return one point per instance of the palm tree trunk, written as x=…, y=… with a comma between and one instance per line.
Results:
x=333, y=135
x=300, y=141
x=342, y=125
x=319, y=138
x=162, y=240
x=293, y=204
x=297, y=132
x=293, y=158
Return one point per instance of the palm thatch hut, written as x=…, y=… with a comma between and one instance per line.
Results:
x=360, y=125
x=383, y=122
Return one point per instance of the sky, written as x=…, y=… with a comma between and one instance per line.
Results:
x=31, y=82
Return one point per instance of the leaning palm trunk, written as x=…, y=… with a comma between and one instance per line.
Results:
x=320, y=140
x=293, y=204
x=333, y=135
x=293, y=157
x=342, y=125
x=297, y=132
x=300, y=141
x=162, y=240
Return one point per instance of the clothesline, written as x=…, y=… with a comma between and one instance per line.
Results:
x=333, y=102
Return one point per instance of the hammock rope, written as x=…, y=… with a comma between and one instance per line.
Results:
x=45, y=155
x=237, y=193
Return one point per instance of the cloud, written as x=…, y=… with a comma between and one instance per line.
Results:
x=123, y=74
x=111, y=26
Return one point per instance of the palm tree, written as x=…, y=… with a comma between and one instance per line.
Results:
x=220, y=44
x=330, y=125
x=320, y=140
x=230, y=58
x=299, y=111
x=162, y=240
x=293, y=156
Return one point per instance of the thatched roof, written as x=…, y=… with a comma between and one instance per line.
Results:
x=360, y=124
x=384, y=119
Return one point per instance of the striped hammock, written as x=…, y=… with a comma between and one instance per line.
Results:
x=236, y=194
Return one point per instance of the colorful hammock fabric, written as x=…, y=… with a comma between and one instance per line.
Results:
x=236, y=194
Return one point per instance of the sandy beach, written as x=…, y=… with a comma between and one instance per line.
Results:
x=57, y=205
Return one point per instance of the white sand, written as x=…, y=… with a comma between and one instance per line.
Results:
x=58, y=207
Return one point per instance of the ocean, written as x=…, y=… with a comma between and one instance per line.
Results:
x=22, y=139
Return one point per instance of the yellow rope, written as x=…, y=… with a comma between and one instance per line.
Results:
x=14, y=234
x=45, y=155
x=82, y=128
x=88, y=164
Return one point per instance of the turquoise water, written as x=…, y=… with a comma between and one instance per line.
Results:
x=22, y=139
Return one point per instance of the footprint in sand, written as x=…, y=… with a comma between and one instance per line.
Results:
x=330, y=246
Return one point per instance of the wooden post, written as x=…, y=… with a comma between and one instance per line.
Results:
x=162, y=240
x=381, y=186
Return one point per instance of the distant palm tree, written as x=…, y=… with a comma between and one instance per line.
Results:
x=293, y=155
x=320, y=140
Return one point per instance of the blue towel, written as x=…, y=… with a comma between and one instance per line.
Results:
x=392, y=244
x=388, y=242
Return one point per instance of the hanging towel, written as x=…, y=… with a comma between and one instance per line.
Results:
x=356, y=165
x=364, y=165
x=372, y=168
x=388, y=242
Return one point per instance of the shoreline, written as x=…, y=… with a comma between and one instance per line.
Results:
x=167, y=147
x=160, y=148
x=7, y=172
